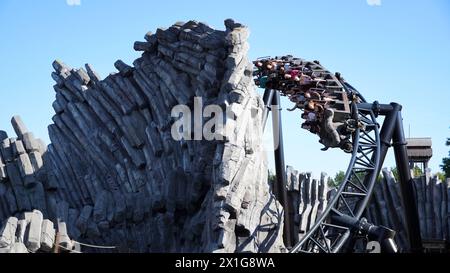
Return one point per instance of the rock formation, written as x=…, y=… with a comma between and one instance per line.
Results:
x=33, y=233
x=309, y=196
x=433, y=204
x=117, y=174
x=113, y=172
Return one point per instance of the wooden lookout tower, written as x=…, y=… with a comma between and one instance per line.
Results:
x=419, y=152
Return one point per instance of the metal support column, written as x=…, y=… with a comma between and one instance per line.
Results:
x=386, y=133
x=267, y=98
x=406, y=186
x=279, y=188
x=392, y=130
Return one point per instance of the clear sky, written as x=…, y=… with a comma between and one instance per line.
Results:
x=391, y=50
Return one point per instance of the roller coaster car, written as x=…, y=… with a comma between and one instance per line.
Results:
x=314, y=90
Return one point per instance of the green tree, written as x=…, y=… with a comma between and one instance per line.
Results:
x=417, y=171
x=331, y=183
x=340, y=176
x=441, y=176
x=337, y=180
x=446, y=162
x=395, y=174
x=272, y=177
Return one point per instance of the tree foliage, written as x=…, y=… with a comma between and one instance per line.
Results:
x=417, y=171
x=395, y=173
x=337, y=180
x=441, y=176
x=271, y=177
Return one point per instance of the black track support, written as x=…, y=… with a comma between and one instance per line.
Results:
x=279, y=188
x=267, y=98
x=392, y=130
x=387, y=132
x=406, y=186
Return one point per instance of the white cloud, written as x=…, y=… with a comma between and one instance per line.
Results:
x=73, y=2
x=374, y=2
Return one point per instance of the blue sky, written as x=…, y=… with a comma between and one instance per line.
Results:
x=396, y=51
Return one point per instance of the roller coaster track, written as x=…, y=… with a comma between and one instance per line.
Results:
x=353, y=194
x=340, y=222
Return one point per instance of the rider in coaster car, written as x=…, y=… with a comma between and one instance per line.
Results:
x=309, y=94
x=329, y=135
x=336, y=134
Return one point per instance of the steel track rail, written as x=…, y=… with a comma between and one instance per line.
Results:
x=353, y=194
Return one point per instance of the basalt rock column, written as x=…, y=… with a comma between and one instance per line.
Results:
x=121, y=177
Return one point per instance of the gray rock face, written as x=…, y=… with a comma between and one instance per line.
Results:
x=21, y=231
x=18, y=247
x=33, y=241
x=47, y=236
x=33, y=234
x=19, y=126
x=3, y=135
x=17, y=148
x=114, y=173
x=64, y=239
x=8, y=231
x=308, y=197
x=431, y=197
